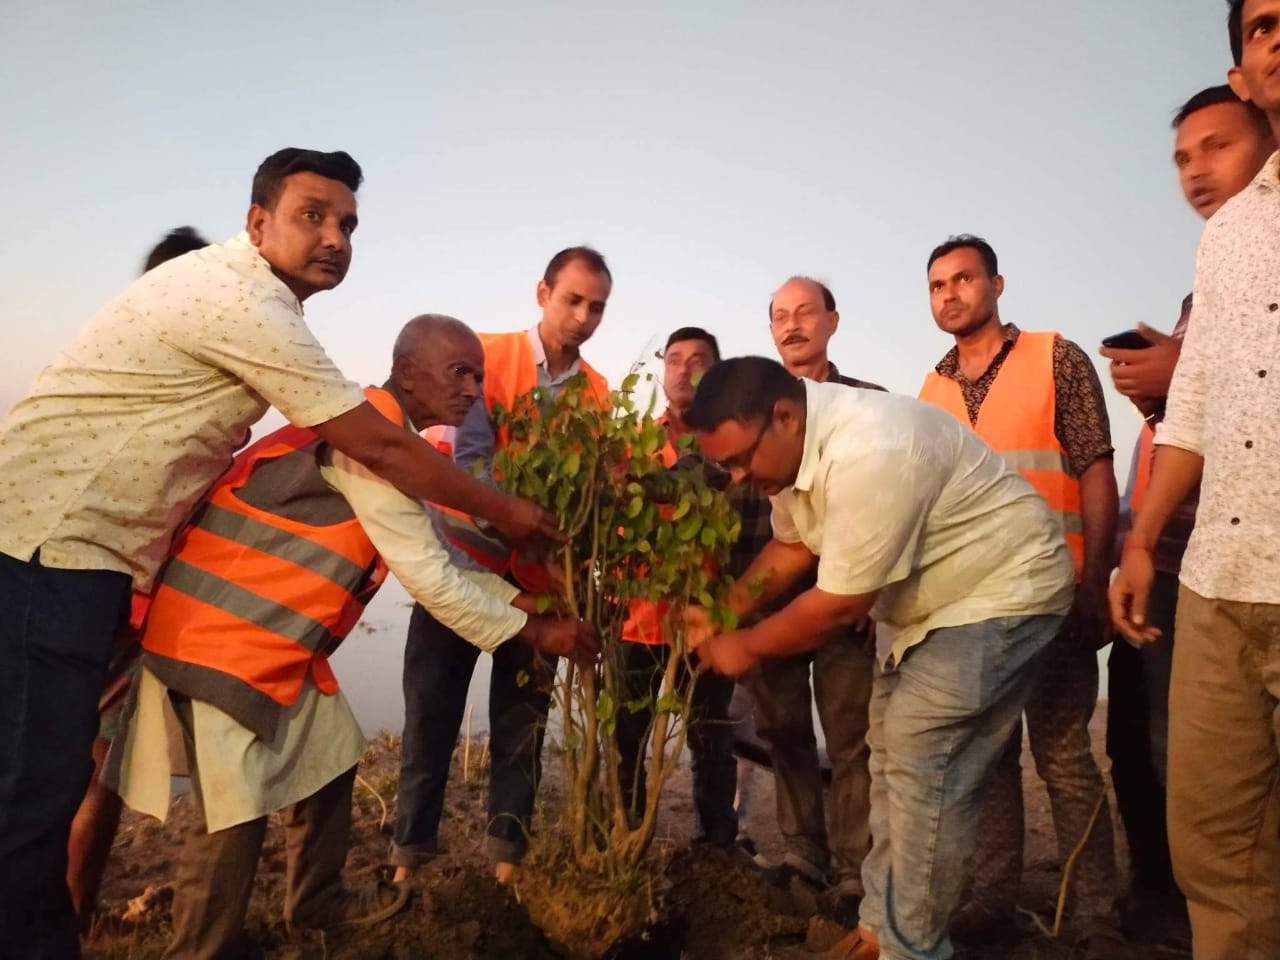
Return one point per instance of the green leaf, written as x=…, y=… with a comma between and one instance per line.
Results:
x=708, y=537
x=689, y=527
x=543, y=603
x=572, y=464
x=634, y=507
x=523, y=678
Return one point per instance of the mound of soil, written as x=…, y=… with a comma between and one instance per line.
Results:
x=716, y=905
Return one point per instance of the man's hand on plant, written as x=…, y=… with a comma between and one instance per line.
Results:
x=563, y=637
x=697, y=627
x=726, y=654
x=527, y=523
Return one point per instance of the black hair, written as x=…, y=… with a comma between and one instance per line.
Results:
x=269, y=180
x=743, y=389
x=175, y=243
x=694, y=333
x=828, y=298
x=967, y=241
x=590, y=257
x=1235, y=29
x=1212, y=96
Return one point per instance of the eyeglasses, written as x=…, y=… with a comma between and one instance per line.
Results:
x=742, y=460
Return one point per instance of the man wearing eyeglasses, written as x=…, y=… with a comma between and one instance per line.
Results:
x=802, y=320
x=908, y=517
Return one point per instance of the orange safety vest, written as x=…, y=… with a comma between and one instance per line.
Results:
x=644, y=617
x=1016, y=420
x=510, y=372
x=1143, y=460
x=272, y=573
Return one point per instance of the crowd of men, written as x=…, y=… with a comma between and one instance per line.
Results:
x=928, y=572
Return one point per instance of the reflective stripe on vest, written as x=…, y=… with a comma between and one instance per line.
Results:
x=1017, y=421
x=273, y=571
x=510, y=372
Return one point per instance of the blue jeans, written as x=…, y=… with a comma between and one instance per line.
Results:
x=939, y=721
x=437, y=672
x=57, y=628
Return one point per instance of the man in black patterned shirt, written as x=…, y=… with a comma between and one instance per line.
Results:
x=1036, y=399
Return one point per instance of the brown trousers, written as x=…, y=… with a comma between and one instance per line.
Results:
x=1224, y=775
x=216, y=870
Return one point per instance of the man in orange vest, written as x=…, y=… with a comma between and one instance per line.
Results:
x=438, y=664
x=689, y=352
x=271, y=574
x=1035, y=399
x=1220, y=144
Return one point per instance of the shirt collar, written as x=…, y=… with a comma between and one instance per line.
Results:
x=814, y=431
x=244, y=248
x=949, y=365
x=1268, y=177
x=540, y=354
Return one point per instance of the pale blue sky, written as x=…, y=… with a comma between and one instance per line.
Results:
x=710, y=149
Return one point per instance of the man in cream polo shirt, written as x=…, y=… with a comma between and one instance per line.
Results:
x=117, y=440
x=911, y=519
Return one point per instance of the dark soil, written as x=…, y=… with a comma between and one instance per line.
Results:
x=717, y=905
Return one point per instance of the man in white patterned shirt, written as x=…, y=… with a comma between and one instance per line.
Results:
x=1222, y=428
x=114, y=444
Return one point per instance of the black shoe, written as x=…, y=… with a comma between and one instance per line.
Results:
x=841, y=908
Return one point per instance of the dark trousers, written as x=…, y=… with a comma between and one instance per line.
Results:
x=842, y=679
x=57, y=628
x=710, y=739
x=215, y=872
x=1138, y=741
x=437, y=672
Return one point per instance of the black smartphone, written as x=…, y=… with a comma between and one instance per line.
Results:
x=1129, y=340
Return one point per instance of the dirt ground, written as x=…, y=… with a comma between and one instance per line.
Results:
x=718, y=907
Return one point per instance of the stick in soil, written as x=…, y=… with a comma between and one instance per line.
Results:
x=382, y=823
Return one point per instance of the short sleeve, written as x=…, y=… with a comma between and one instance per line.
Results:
x=782, y=522
x=875, y=512
x=266, y=343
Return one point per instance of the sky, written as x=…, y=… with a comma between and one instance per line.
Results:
x=709, y=149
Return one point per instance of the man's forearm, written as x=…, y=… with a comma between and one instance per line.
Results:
x=806, y=622
x=1099, y=507
x=411, y=464
x=1175, y=473
x=774, y=571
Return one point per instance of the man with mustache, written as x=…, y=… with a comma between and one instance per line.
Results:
x=1220, y=144
x=1221, y=429
x=802, y=320
x=438, y=663
x=267, y=580
x=115, y=443
x=1036, y=399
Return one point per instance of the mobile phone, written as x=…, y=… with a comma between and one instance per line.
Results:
x=1129, y=340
